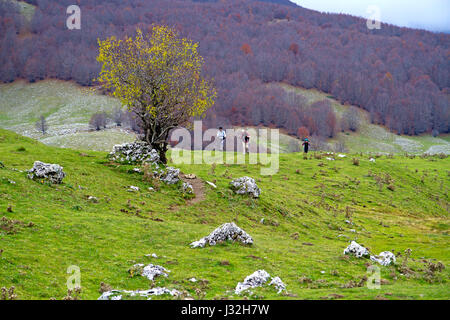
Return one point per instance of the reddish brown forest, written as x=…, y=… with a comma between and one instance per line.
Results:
x=400, y=75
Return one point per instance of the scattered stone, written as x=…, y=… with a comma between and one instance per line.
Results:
x=357, y=250
x=93, y=199
x=278, y=284
x=11, y=181
x=211, y=184
x=227, y=231
x=133, y=189
x=153, y=255
x=385, y=258
x=137, y=170
x=187, y=188
x=151, y=189
x=342, y=155
x=330, y=159
x=258, y=279
x=262, y=221
x=50, y=172
x=348, y=222
x=193, y=280
x=170, y=176
x=136, y=152
x=372, y=160
x=245, y=185
x=150, y=271
x=118, y=294
x=190, y=176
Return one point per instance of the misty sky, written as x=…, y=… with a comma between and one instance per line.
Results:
x=433, y=15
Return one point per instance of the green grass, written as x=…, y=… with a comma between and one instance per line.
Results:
x=299, y=207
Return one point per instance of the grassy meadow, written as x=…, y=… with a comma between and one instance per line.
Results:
x=394, y=204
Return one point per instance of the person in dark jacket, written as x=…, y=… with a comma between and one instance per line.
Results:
x=305, y=145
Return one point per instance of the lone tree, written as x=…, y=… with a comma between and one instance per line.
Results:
x=41, y=125
x=158, y=78
x=98, y=121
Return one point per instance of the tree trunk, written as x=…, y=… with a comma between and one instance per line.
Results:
x=162, y=153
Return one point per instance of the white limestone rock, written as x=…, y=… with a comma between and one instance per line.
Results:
x=246, y=185
x=152, y=271
x=226, y=232
x=136, y=152
x=258, y=279
x=357, y=250
x=118, y=294
x=278, y=284
x=385, y=258
x=46, y=171
x=133, y=189
x=170, y=176
x=187, y=188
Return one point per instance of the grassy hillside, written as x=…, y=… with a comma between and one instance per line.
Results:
x=373, y=138
x=68, y=108
x=301, y=240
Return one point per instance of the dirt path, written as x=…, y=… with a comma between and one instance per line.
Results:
x=199, y=190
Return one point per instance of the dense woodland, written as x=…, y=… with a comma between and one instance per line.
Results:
x=399, y=75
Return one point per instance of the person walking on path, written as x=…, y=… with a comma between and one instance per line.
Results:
x=222, y=136
x=245, y=141
x=306, y=144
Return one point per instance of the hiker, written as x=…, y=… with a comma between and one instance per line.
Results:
x=306, y=144
x=222, y=136
x=245, y=141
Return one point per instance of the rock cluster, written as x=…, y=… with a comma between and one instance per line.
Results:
x=385, y=258
x=227, y=231
x=170, y=176
x=245, y=185
x=118, y=294
x=50, y=172
x=258, y=279
x=136, y=152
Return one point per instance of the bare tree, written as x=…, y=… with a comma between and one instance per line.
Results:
x=41, y=125
x=119, y=116
x=98, y=121
x=351, y=120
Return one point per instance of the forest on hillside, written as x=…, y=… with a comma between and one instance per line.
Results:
x=399, y=75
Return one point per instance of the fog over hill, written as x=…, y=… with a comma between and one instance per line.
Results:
x=432, y=15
